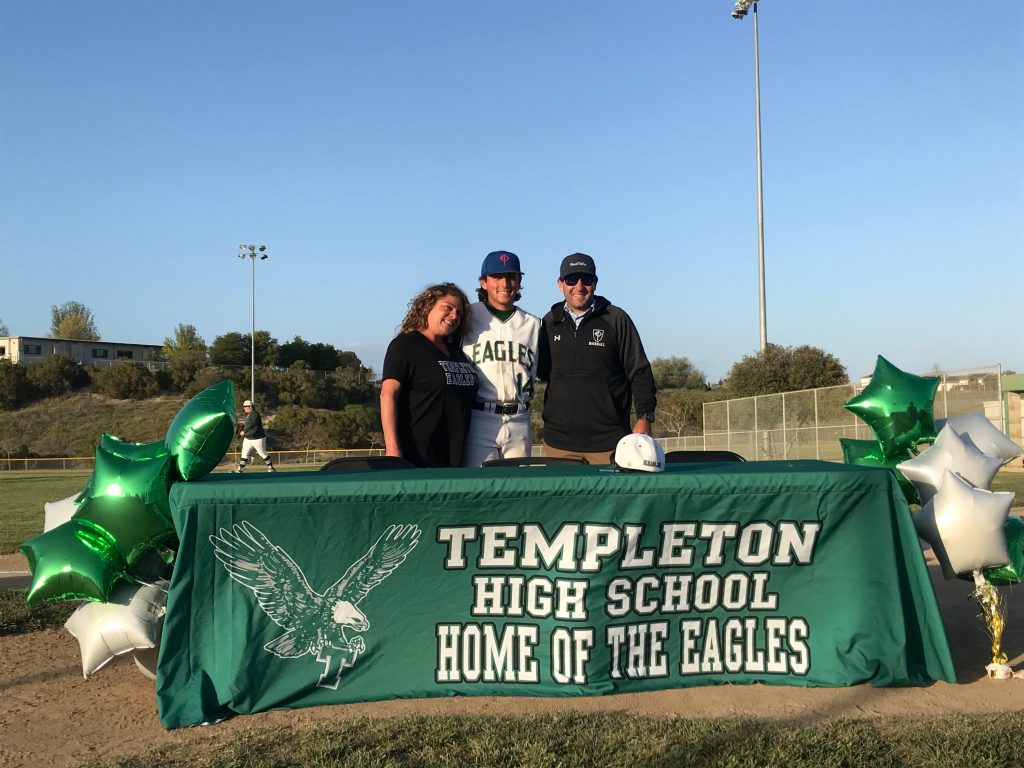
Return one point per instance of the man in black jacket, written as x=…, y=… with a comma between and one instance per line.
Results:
x=596, y=369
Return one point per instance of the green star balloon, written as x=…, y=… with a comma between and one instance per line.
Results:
x=898, y=406
x=868, y=453
x=202, y=431
x=118, y=447
x=128, y=500
x=75, y=560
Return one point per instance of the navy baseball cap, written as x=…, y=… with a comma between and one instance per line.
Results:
x=577, y=264
x=500, y=262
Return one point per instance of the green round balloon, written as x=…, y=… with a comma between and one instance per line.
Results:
x=202, y=431
x=869, y=453
x=75, y=560
x=898, y=406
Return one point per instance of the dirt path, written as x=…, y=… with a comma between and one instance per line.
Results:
x=50, y=715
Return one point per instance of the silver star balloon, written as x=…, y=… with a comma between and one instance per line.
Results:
x=130, y=621
x=964, y=525
x=985, y=436
x=59, y=512
x=949, y=452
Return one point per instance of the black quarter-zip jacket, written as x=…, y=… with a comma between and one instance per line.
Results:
x=594, y=374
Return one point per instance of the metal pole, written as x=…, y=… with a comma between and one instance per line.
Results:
x=760, y=199
x=252, y=372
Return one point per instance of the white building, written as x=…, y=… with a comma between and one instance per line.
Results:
x=34, y=349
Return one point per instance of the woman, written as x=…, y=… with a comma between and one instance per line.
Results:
x=429, y=385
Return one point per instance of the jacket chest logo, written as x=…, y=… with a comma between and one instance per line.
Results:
x=598, y=335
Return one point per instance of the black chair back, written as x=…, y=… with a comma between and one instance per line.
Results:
x=534, y=461
x=363, y=463
x=690, y=457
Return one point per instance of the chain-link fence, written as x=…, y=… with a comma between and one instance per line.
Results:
x=808, y=424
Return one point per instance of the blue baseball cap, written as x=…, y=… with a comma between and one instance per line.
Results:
x=500, y=262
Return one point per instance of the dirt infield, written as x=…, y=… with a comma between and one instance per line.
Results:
x=50, y=715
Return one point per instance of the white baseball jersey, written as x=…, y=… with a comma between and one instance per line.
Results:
x=505, y=356
x=504, y=353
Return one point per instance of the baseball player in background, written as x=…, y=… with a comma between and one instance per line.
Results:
x=502, y=341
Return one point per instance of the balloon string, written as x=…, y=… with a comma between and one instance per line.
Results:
x=993, y=613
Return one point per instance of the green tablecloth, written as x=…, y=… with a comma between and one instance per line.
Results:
x=295, y=590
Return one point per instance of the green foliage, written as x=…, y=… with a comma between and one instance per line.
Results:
x=784, y=369
x=211, y=374
x=352, y=383
x=319, y=356
x=236, y=349
x=184, y=366
x=14, y=385
x=16, y=618
x=56, y=375
x=73, y=320
x=186, y=341
x=124, y=380
x=354, y=426
x=677, y=373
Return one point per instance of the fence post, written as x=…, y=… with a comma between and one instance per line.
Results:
x=817, y=450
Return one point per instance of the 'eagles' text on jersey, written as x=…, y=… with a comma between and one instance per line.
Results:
x=504, y=353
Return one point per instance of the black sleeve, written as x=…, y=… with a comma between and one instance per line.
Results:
x=543, y=352
x=396, y=361
x=636, y=366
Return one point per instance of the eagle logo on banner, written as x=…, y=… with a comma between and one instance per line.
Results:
x=327, y=624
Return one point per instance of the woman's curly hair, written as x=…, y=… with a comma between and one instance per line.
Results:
x=421, y=304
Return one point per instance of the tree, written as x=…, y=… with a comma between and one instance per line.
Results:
x=319, y=356
x=677, y=373
x=186, y=339
x=73, y=320
x=681, y=412
x=236, y=349
x=784, y=369
x=3, y=329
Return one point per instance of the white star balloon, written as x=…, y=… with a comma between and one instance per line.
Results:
x=59, y=512
x=964, y=525
x=985, y=436
x=949, y=452
x=130, y=621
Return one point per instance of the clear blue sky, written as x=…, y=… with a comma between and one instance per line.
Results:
x=376, y=147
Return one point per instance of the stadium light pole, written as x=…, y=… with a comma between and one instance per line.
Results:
x=739, y=11
x=252, y=252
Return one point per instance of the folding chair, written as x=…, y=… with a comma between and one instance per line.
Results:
x=691, y=457
x=534, y=461
x=362, y=463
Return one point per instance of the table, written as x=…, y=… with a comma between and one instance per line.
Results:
x=294, y=590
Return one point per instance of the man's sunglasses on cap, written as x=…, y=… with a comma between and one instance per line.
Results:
x=588, y=280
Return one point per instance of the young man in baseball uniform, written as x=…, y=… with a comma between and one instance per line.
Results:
x=254, y=438
x=503, y=342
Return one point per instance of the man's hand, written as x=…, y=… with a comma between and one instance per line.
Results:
x=642, y=427
x=241, y=433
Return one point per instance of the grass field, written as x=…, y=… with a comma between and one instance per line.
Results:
x=23, y=494
x=611, y=741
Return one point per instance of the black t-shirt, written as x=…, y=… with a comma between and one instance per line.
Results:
x=434, y=401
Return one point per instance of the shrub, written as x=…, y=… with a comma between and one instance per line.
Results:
x=56, y=375
x=125, y=381
x=14, y=385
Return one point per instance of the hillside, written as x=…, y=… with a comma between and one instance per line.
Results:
x=72, y=425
